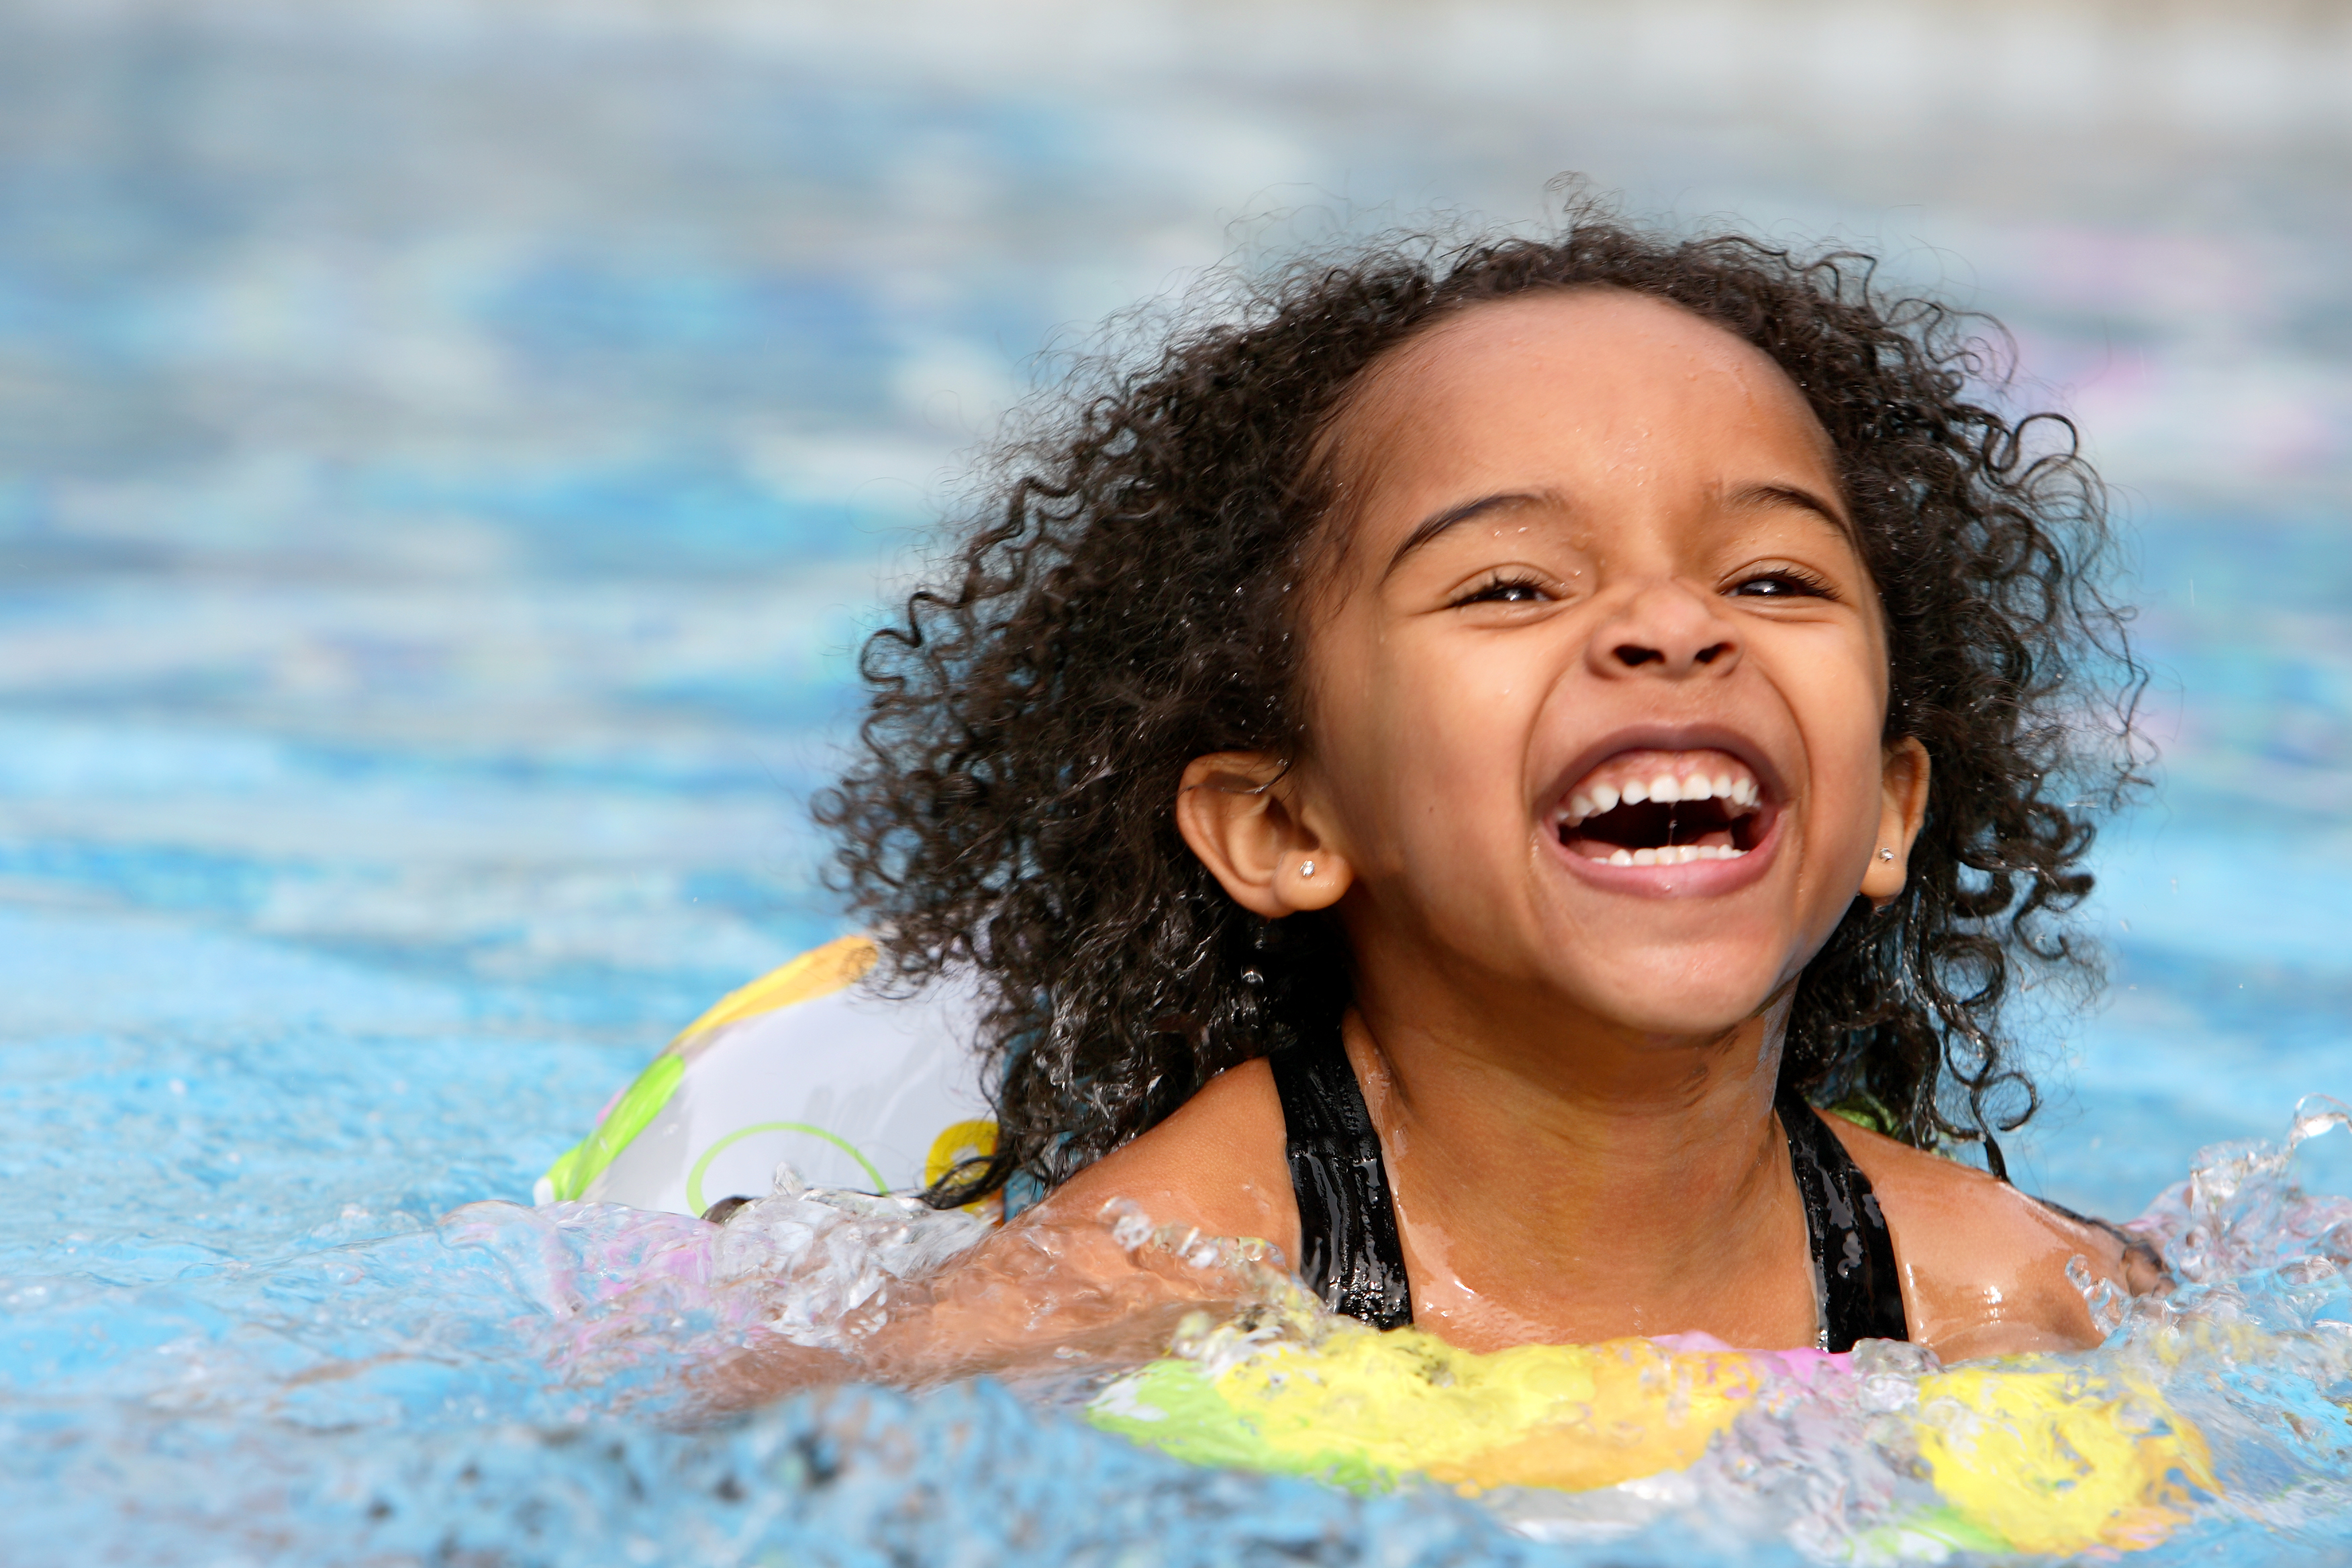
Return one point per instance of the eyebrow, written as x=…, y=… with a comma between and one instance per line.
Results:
x=1438, y=522
x=1796, y=496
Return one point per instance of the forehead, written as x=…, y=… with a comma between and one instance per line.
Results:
x=1601, y=382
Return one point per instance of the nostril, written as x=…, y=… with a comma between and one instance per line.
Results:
x=1707, y=655
x=1634, y=658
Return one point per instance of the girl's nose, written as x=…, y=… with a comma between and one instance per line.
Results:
x=1665, y=629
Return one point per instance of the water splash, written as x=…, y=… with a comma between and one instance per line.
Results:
x=677, y=1318
x=2221, y=1397
x=2239, y=1213
x=2248, y=1349
x=535, y=1385
x=2251, y=1347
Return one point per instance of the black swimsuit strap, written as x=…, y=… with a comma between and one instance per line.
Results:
x=1348, y=1246
x=1351, y=1255
x=1853, y=1257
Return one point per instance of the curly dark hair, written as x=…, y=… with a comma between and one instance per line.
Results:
x=1124, y=599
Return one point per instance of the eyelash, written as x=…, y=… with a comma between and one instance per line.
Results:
x=1807, y=585
x=1495, y=589
x=1505, y=589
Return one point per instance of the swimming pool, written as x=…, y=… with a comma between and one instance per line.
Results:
x=446, y=466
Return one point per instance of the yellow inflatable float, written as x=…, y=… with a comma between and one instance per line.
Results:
x=2030, y=1455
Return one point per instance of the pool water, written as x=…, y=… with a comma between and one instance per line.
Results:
x=446, y=463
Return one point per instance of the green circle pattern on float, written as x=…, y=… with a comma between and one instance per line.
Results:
x=702, y=1166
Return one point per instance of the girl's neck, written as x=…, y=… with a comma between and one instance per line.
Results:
x=1557, y=1182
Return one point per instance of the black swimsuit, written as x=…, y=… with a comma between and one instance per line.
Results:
x=1351, y=1255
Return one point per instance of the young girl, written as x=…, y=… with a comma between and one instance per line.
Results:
x=1445, y=771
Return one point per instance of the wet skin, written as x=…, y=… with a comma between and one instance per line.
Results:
x=1578, y=527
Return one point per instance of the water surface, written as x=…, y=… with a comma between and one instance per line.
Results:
x=444, y=468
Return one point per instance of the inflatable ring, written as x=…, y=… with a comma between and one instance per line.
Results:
x=2032, y=1455
x=800, y=1067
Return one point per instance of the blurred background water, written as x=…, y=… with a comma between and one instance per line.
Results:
x=448, y=449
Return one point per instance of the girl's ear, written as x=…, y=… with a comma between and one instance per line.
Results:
x=1242, y=814
x=1902, y=806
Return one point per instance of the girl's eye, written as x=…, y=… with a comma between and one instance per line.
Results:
x=1782, y=583
x=1506, y=591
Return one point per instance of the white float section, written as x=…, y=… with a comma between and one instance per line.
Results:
x=850, y=1089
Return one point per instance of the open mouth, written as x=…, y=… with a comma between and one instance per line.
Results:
x=1663, y=808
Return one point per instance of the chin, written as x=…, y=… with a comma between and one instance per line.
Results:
x=1669, y=1000
x=1677, y=1027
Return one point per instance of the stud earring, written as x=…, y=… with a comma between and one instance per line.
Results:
x=1306, y=867
x=1884, y=852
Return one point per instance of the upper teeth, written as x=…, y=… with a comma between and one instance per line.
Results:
x=1665, y=789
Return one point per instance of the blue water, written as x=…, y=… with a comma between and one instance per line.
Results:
x=445, y=464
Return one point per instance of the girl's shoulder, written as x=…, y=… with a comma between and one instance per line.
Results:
x=1218, y=1162
x=1983, y=1265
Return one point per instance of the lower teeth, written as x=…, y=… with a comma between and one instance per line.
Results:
x=1671, y=854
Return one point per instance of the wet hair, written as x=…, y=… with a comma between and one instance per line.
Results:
x=1127, y=594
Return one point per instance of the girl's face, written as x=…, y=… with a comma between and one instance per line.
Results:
x=1598, y=678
